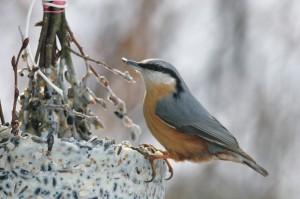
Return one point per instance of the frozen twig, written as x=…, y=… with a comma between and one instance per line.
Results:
x=41, y=103
x=1, y=114
x=28, y=49
x=14, y=63
x=68, y=109
x=97, y=99
x=58, y=90
x=80, y=48
x=125, y=74
x=120, y=112
x=29, y=52
x=5, y=133
x=118, y=103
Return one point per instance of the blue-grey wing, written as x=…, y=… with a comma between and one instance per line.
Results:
x=186, y=114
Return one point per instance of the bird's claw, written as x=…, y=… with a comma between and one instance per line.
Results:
x=149, y=152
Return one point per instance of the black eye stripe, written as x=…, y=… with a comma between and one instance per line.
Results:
x=159, y=68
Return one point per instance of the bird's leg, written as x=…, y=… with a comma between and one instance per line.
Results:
x=151, y=161
x=171, y=171
x=149, y=152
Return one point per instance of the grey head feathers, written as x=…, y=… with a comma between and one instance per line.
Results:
x=160, y=66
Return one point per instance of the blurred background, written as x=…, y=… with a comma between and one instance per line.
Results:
x=240, y=59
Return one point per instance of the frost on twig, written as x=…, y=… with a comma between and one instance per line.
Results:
x=1, y=114
x=55, y=100
x=112, y=97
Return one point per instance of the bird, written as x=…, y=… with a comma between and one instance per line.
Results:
x=180, y=122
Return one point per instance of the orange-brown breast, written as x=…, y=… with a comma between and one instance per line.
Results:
x=180, y=145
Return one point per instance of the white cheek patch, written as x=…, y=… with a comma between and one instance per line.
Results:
x=158, y=77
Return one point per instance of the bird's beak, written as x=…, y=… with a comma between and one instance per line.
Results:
x=132, y=63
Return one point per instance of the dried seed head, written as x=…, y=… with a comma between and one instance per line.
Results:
x=25, y=43
x=98, y=124
x=135, y=132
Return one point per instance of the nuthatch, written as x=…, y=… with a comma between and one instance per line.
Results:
x=180, y=123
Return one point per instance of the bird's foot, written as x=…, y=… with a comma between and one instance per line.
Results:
x=152, y=154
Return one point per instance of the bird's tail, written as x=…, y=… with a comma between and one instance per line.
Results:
x=250, y=162
x=246, y=159
x=255, y=167
x=236, y=154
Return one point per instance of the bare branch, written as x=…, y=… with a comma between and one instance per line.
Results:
x=68, y=109
x=125, y=74
x=1, y=114
x=14, y=63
